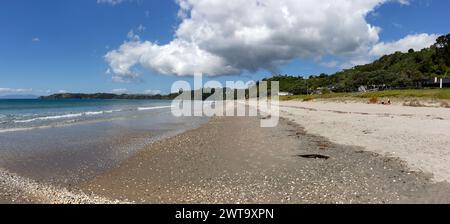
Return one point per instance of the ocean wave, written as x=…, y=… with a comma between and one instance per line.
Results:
x=50, y=118
x=65, y=116
x=153, y=108
x=102, y=112
x=83, y=114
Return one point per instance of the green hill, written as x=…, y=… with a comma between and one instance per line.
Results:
x=395, y=71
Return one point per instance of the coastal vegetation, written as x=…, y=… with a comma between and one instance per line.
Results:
x=438, y=94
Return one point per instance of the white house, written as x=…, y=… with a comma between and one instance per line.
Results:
x=285, y=94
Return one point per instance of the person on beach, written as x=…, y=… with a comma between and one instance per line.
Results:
x=386, y=103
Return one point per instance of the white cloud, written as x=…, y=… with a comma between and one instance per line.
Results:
x=11, y=90
x=329, y=64
x=152, y=92
x=404, y=2
x=120, y=91
x=132, y=36
x=225, y=37
x=141, y=28
x=126, y=91
x=415, y=41
x=110, y=2
x=36, y=39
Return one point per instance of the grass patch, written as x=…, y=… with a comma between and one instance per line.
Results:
x=441, y=94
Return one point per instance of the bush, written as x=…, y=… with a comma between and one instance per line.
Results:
x=373, y=100
x=308, y=98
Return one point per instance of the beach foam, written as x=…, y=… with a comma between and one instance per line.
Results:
x=50, y=118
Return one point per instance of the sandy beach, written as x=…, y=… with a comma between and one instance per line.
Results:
x=232, y=160
x=321, y=152
x=417, y=135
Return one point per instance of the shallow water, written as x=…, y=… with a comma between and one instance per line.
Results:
x=28, y=114
x=68, y=142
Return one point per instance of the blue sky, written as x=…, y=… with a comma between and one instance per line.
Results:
x=49, y=46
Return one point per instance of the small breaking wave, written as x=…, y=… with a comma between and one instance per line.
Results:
x=153, y=108
x=84, y=114
x=50, y=118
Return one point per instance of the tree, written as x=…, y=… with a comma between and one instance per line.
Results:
x=443, y=49
x=443, y=42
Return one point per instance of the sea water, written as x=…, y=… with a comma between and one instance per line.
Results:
x=68, y=141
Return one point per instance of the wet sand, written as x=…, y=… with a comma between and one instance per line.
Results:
x=233, y=160
x=67, y=155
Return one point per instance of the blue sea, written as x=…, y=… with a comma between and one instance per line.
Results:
x=34, y=113
x=69, y=141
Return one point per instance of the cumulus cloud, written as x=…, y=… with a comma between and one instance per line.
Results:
x=415, y=41
x=11, y=90
x=227, y=37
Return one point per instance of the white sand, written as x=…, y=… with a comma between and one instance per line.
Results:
x=417, y=135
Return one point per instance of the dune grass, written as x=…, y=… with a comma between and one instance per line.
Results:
x=441, y=94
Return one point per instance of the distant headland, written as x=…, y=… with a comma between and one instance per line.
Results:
x=109, y=96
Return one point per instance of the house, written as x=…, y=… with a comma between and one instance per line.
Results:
x=285, y=94
x=371, y=88
x=435, y=83
x=362, y=89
